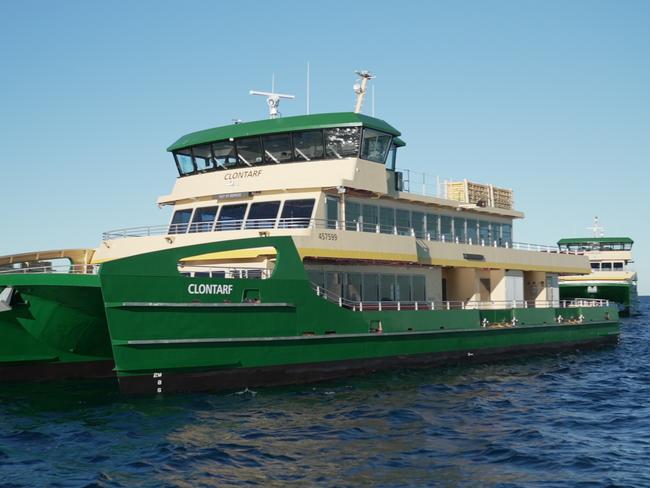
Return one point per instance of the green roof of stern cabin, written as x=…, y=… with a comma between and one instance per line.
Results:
x=285, y=124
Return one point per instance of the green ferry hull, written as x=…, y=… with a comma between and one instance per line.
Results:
x=56, y=328
x=166, y=340
x=625, y=295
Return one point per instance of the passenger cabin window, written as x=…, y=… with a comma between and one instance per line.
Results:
x=342, y=142
x=262, y=215
x=375, y=145
x=180, y=221
x=297, y=213
x=308, y=145
x=249, y=150
x=387, y=220
x=231, y=217
x=224, y=154
x=203, y=219
x=277, y=148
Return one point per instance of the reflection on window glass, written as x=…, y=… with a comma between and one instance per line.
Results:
x=277, y=148
x=179, y=221
x=459, y=229
x=249, y=150
x=297, y=213
x=419, y=288
x=403, y=222
x=352, y=286
x=333, y=282
x=370, y=287
x=417, y=222
x=375, y=145
x=403, y=292
x=342, y=142
x=185, y=164
x=332, y=212
x=445, y=228
x=484, y=232
x=308, y=145
x=224, y=154
x=387, y=220
x=432, y=226
x=231, y=217
x=506, y=234
x=352, y=215
x=262, y=215
x=370, y=218
x=386, y=288
x=203, y=219
x=472, y=231
x=203, y=157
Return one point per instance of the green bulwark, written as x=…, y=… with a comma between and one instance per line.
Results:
x=166, y=337
x=56, y=328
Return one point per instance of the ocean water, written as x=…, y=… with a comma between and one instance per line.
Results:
x=574, y=419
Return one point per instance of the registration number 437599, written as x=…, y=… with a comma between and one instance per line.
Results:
x=328, y=236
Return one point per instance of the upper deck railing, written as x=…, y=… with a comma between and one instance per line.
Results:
x=399, y=305
x=321, y=224
x=54, y=269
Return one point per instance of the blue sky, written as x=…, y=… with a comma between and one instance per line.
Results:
x=549, y=98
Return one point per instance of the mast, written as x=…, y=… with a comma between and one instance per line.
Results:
x=360, y=88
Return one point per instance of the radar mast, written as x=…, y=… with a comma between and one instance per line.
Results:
x=360, y=88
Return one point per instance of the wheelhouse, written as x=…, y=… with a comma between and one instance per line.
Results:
x=287, y=140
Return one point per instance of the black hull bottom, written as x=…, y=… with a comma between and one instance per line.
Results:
x=46, y=371
x=237, y=379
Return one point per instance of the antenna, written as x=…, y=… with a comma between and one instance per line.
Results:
x=360, y=88
x=308, y=83
x=597, y=229
x=373, y=100
x=273, y=101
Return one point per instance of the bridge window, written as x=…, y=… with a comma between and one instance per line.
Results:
x=297, y=213
x=180, y=221
x=184, y=162
x=506, y=234
x=606, y=266
x=375, y=145
x=618, y=266
x=277, y=148
x=249, y=151
x=595, y=266
x=262, y=215
x=308, y=145
x=203, y=219
x=231, y=217
x=203, y=157
x=342, y=142
x=224, y=154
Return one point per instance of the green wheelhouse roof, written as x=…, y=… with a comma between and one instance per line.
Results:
x=604, y=240
x=284, y=124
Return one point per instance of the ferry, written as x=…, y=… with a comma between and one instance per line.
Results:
x=611, y=276
x=297, y=250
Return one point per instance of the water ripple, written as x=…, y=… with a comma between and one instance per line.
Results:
x=569, y=420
